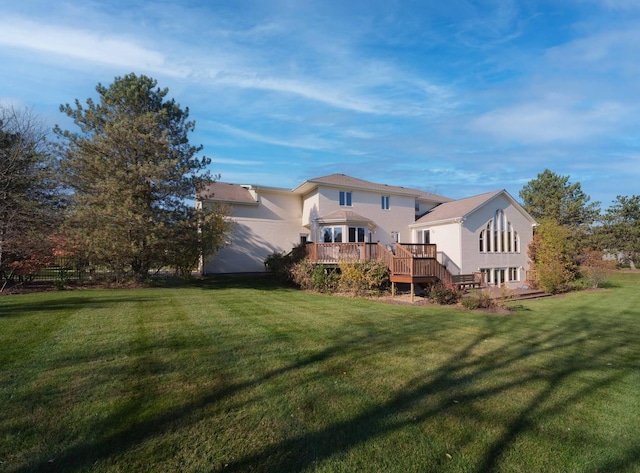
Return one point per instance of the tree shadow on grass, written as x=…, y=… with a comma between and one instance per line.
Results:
x=452, y=385
x=17, y=306
x=487, y=365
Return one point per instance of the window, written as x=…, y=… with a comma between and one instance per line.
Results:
x=332, y=235
x=356, y=234
x=424, y=236
x=385, y=202
x=498, y=276
x=498, y=236
x=345, y=198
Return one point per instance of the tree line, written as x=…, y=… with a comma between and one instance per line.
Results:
x=117, y=193
x=574, y=235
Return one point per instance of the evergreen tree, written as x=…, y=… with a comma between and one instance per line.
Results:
x=620, y=232
x=133, y=173
x=550, y=196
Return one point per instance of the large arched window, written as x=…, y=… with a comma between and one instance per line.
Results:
x=498, y=236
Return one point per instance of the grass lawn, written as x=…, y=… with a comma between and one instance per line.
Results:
x=243, y=375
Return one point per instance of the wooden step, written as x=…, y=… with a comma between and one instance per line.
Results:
x=530, y=295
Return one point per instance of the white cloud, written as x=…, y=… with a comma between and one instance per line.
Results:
x=616, y=4
x=539, y=122
x=601, y=51
x=235, y=162
x=302, y=142
x=82, y=45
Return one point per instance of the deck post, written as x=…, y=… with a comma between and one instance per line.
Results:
x=393, y=289
x=412, y=291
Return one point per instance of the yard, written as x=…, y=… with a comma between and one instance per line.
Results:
x=244, y=375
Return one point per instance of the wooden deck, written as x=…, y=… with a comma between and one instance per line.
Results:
x=412, y=263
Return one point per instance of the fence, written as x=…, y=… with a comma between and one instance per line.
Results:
x=62, y=270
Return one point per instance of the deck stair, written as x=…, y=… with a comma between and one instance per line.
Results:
x=525, y=294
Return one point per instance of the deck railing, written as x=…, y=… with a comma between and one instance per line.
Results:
x=336, y=252
x=418, y=250
x=413, y=260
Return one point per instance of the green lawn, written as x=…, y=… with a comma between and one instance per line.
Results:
x=242, y=375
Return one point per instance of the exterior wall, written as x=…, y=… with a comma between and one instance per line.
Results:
x=279, y=219
x=473, y=259
x=271, y=226
x=310, y=209
x=446, y=237
x=400, y=215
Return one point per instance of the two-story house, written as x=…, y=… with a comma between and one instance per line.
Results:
x=487, y=233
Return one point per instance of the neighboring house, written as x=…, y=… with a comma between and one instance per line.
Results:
x=487, y=233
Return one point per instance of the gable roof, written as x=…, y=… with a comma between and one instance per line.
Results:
x=226, y=192
x=460, y=209
x=342, y=180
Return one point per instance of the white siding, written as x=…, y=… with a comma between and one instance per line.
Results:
x=447, y=240
x=474, y=259
x=271, y=226
x=367, y=204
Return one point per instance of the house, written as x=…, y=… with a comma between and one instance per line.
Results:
x=488, y=233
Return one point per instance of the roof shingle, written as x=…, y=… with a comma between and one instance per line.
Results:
x=226, y=192
x=457, y=208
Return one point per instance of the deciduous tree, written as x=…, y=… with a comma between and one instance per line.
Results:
x=553, y=253
x=134, y=176
x=29, y=198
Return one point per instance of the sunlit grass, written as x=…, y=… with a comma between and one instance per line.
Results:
x=243, y=375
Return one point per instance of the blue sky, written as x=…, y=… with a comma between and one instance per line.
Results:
x=457, y=97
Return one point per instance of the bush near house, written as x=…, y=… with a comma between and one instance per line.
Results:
x=281, y=264
x=478, y=299
x=445, y=294
x=354, y=277
x=363, y=277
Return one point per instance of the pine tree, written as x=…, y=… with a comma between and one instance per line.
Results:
x=134, y=175
x=550, y=196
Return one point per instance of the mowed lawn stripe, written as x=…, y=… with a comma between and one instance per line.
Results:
x=244, y=375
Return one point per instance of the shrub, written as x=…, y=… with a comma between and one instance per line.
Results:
x=506, y=295
x=363, y=277
x=324, y=279
x=594, y=268
x=281, y=264
x=314, y=277
x=301, y=273
x=553, y=277
x=478, y=300
x=445, y=294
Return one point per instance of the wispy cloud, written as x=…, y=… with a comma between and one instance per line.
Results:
x=77, y=44
x=547, y=122
x=235, y=162
x=467, y=96
x=301, y=142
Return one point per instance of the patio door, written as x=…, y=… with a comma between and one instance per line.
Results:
x=357, y=234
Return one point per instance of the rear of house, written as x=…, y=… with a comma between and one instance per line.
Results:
x=487, y=233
